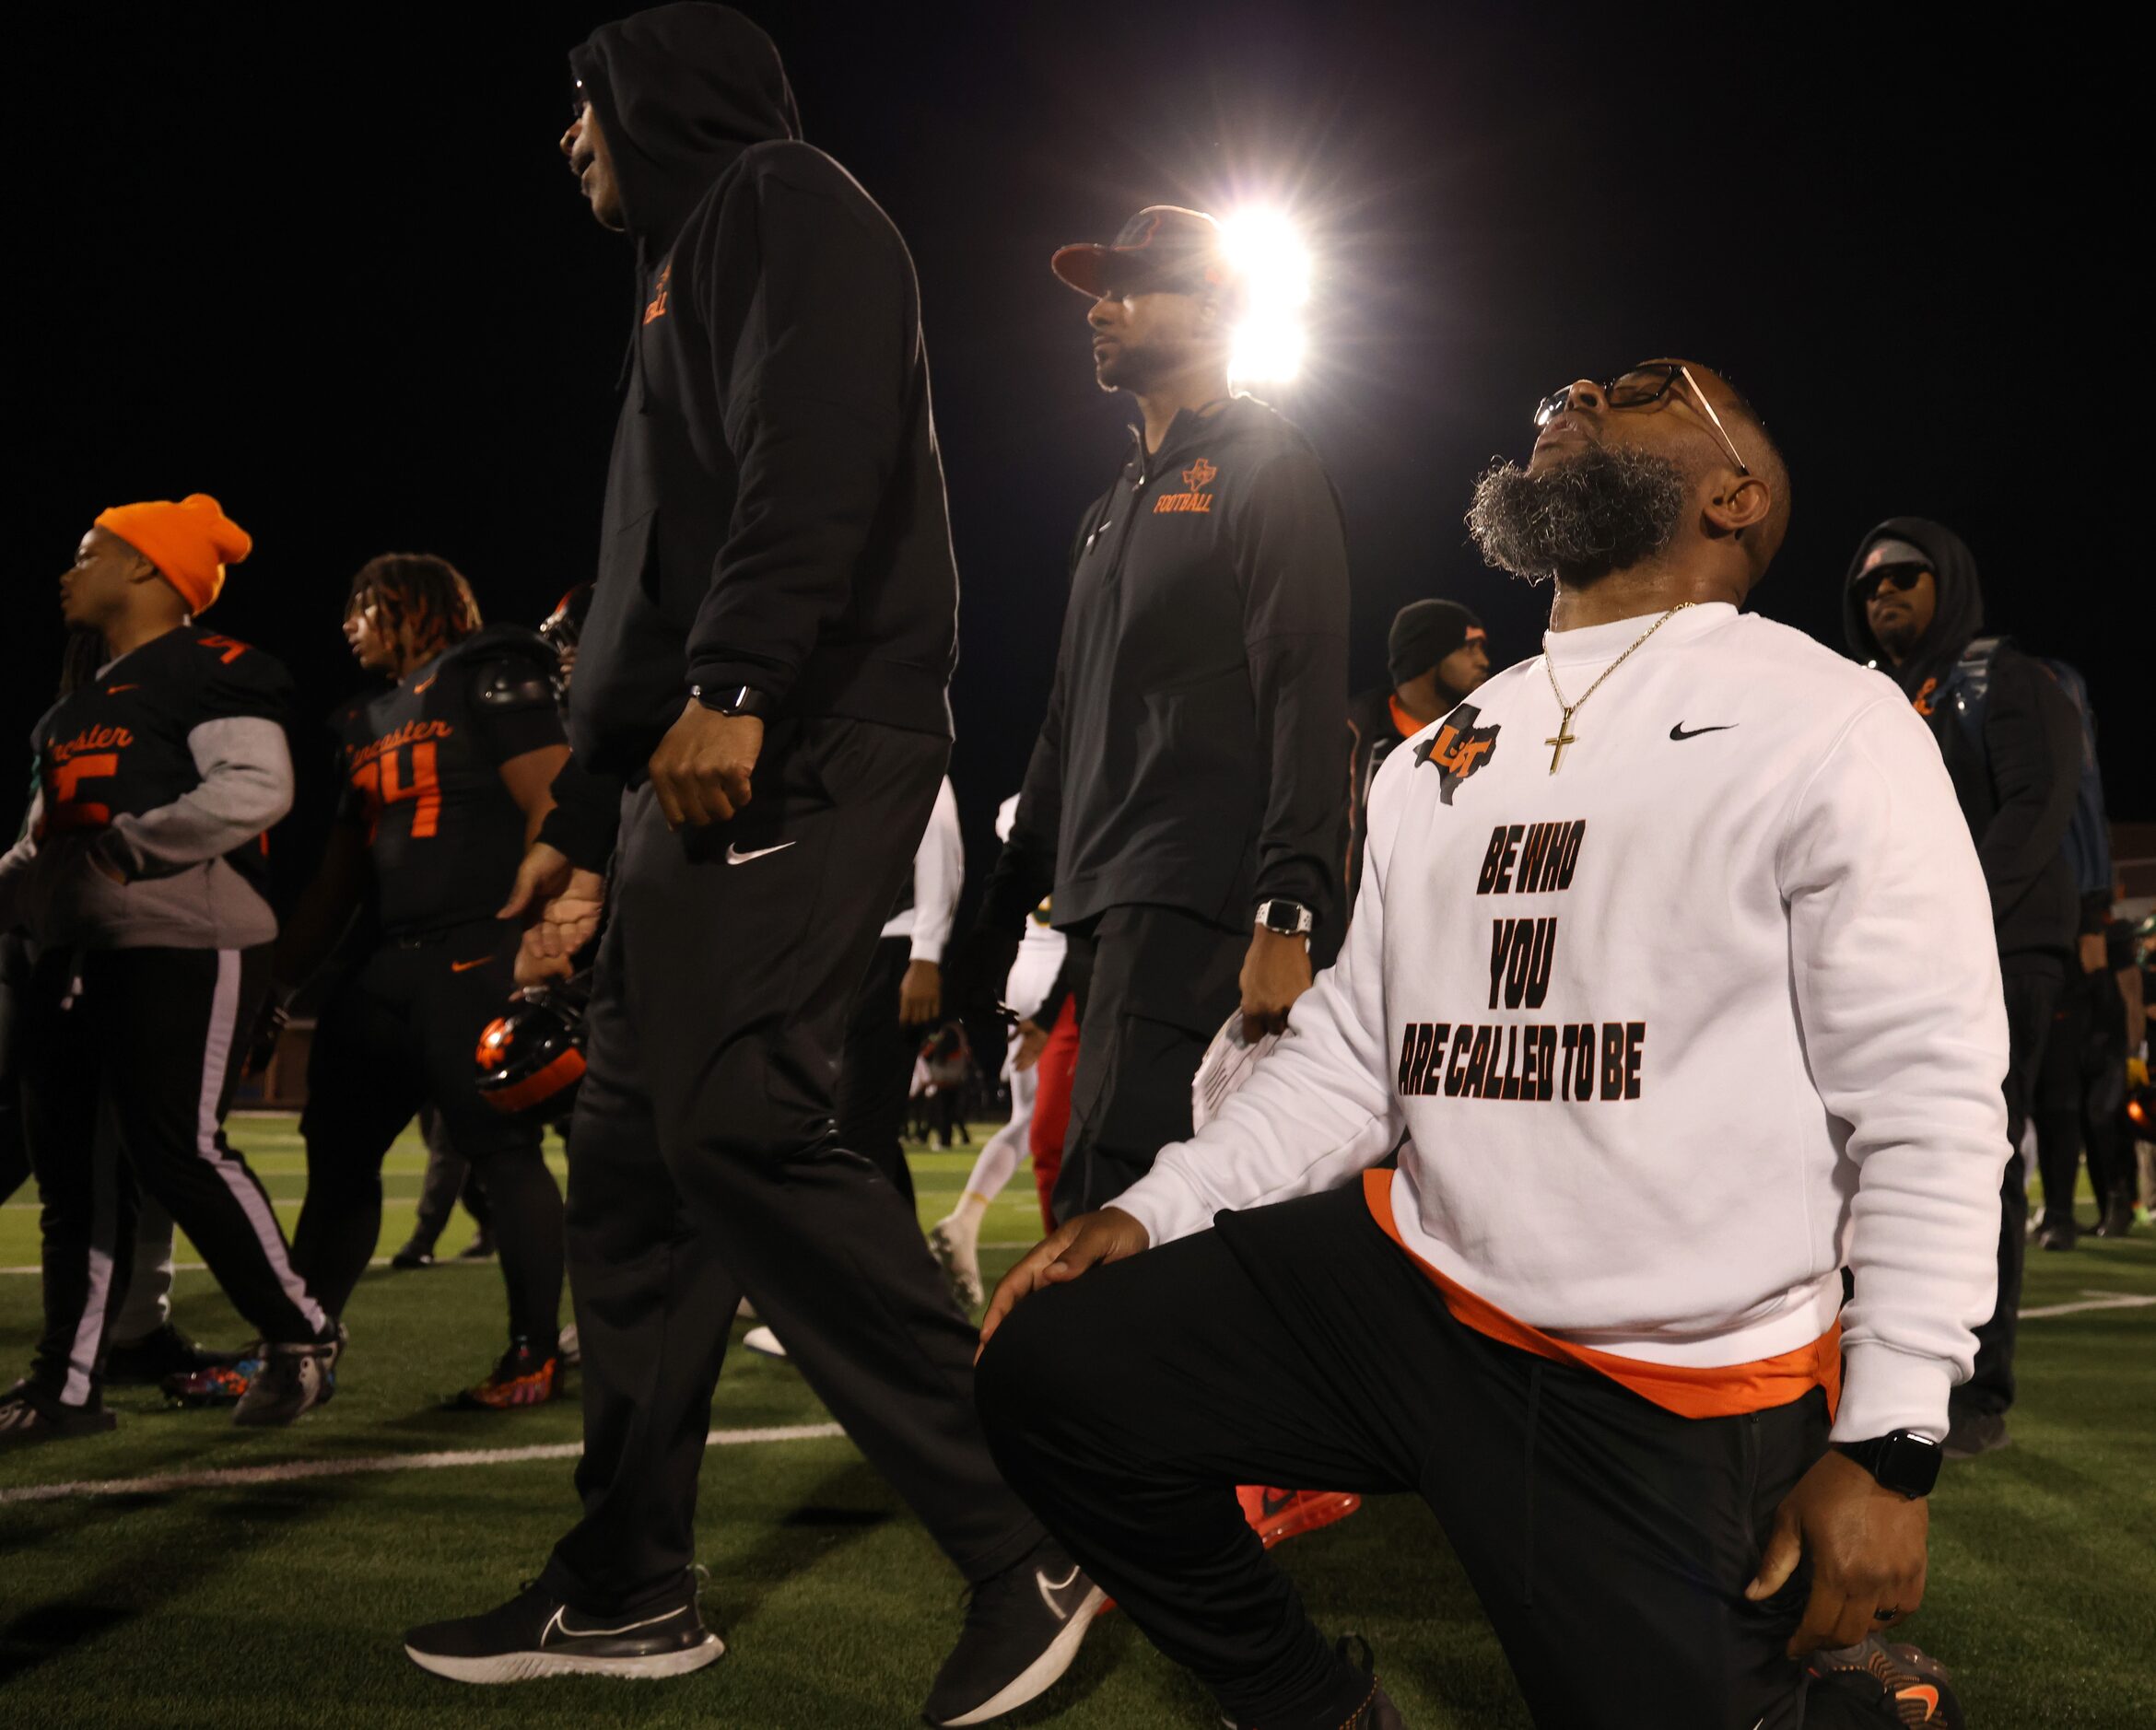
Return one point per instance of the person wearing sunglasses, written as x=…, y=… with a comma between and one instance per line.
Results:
x=2011, y=742
x=1668, y=988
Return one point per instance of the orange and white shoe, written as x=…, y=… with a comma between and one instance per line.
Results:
x=1277, y=1515
x=523, y=1377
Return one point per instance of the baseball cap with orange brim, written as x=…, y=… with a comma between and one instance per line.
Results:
x=1163, y=249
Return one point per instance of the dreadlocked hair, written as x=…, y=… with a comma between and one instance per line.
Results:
x=422, y=603
x=80, y=660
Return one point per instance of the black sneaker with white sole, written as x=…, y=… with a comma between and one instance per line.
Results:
x=1022, y=1628
x=535, y=1635
x=29, y=1415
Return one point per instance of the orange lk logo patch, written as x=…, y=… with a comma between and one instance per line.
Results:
x=1458, y=748
x=656, y=307
x=1197, y=478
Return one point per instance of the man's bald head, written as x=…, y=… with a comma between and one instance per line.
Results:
x=1748, y=432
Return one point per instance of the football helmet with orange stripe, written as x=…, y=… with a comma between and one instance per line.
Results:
x=531, y=1058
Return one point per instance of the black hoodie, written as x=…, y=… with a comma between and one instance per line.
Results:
x=2017, y=788
x=775, y=512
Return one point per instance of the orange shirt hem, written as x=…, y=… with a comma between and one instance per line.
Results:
x=1690, y=1391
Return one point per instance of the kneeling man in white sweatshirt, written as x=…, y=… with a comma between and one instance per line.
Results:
x=1672, y=984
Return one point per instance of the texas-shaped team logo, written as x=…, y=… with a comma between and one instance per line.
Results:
x=1196, y=478
x=1458, y=748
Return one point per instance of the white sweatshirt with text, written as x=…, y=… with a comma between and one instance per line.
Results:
x=1673, y=1034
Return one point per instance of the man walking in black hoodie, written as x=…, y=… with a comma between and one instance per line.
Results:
x=2012, y=744
x=762, y=678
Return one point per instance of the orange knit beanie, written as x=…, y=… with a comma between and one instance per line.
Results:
x=190, y=542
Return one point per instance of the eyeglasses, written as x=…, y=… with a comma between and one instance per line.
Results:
x=1900, y=577
x=1642, y=388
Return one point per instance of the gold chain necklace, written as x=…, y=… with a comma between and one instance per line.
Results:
x=1565, y=736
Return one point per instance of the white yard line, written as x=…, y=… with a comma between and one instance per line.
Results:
x=292, y=1469
x=295, y=1469
x=2094, y=1301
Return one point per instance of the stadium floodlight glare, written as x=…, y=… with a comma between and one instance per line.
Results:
x=1274, y=266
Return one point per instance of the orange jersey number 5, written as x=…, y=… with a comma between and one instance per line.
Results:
x=69, y=809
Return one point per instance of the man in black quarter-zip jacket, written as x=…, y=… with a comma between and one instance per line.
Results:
x=1184, y=798
x=760, y=696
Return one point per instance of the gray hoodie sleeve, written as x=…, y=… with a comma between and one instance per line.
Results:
x=246, y=769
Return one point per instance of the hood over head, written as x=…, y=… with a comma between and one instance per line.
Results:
x=1958, y=617
x=680, y=91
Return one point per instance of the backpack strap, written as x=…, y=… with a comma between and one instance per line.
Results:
x=1968, y=687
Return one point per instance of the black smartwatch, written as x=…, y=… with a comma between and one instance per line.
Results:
x=1286, y=919
x=1901, y=1460
x=733, y=699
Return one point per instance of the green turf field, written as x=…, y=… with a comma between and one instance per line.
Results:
x=279, y=1604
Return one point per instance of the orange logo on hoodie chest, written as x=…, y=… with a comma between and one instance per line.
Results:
x=1197, y=478
x=656, y=307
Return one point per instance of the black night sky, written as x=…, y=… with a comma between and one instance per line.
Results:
x=325, y=263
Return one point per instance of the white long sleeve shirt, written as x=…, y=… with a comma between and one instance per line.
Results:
x=939, y=873
x=1040, y=951
x=1674, y=1032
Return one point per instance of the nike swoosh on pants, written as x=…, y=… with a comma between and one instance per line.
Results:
x=734, y=856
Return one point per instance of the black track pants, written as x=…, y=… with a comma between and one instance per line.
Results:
x=2081, y=1093
x=703, y=1166
x=449, y=1180
x=400, y=1033
x=2031, y=998
x=129, y=1060
x=1154, y=984
x=1609, y=1540
x=14, y=973
x=875, y=1068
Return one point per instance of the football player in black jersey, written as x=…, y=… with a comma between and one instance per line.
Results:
x=446, y=775
x=140, y=883
x=146, y=1345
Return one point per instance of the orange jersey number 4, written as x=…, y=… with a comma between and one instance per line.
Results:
x=382, y=785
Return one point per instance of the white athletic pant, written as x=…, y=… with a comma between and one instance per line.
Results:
x=999, y=1160
x=149, y=1293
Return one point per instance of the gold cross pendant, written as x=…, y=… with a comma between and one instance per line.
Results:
x=1565, y=736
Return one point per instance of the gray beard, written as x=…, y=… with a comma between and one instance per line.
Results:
x=1607, y=508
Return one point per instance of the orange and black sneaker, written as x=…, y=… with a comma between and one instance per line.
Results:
x=214, y=1384
x=523, y=1377
x=1277, y=1515
x=1910, y=1687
